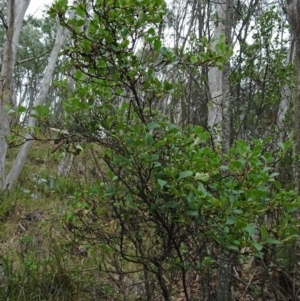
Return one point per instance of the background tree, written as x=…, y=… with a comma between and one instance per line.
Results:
x=13, y=23
x=40, y=100
x=293, y=8
x=8, y=67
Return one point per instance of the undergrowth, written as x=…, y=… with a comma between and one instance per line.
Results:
x=41, y=259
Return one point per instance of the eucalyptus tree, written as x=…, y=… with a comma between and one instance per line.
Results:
x=13, y=24
x=17, y=167
x=293, y=8
x=16, y=11
x=287, y=93
x=34, y=48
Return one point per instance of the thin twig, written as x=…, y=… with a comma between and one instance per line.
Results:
x=33, y=58
x=249, y=282
x=3, y=20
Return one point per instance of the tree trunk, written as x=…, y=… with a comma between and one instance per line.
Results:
x=287, y=93
x=40, y=100
x=293, y=9
x=224, y=273
x=6, y=86
x=215, y=75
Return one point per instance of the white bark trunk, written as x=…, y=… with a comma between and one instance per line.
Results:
x=5, y=88
x=215, y=75
x=40, y=100
x=15, y=16
x=287, y=93
x=219, y=114
x=22, y=6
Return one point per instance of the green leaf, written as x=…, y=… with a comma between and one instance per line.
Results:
x=149, y=139
x=207, y=261
x=119, y=91
x=80, y=23
x=263, y=233
x=203, y=177
x=42, y=110
x=185, y=174
x=80, y=12
x=223, y=167
x=230, y=220
x=198, y=129
x=194, y=59
x=235, y=165
x=237, y=211
x=240, y=224
x=161, y=182
x=288, y=144
x=79, y=75
x=157, y=45
x=256, y=245
x=273, y=241
x=156, y=164
x=164, y=51
x=168, y=86
x=101, y=64
x=250, y=229
x=151, y=31
x=281, y=145
x=203, y=135
x=21, y=109
x=153, y=125
x=242, y=147
x=171, y=127
x=277, y=185
x=232, y=247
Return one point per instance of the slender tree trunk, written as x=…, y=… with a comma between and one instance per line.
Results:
x=21, y=9
x=293, y=9
x=225, y=105
x=15, y=16
x=297, y=121
x=215, y=75
x=224, y=273
x=287, y=93
x=6, y=87
x=40, y=100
